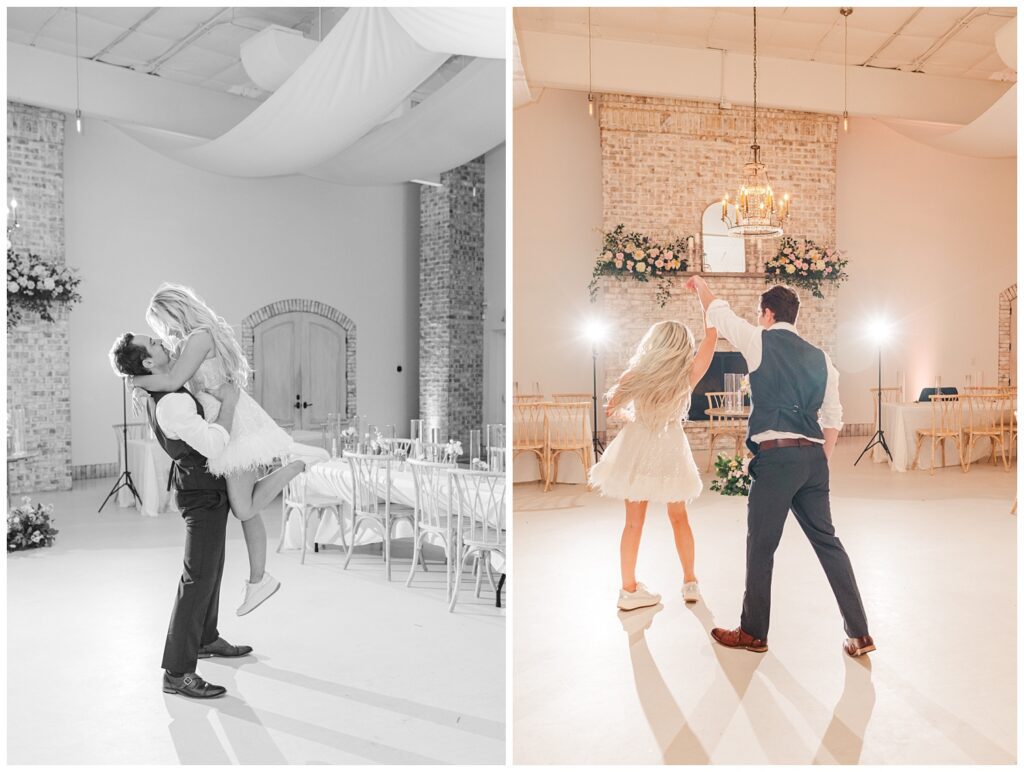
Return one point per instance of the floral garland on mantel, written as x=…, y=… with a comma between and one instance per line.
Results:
x=638, y=257
x=36, y=285
x=802, y=263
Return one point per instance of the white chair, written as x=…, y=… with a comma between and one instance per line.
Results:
x=371, y=477
x=296, y=499
x=432, y=516
x=394, y=445
x=477, y=503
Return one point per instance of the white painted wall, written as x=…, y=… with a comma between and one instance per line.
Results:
x=135, y=219
x=931, y=238
x=932, y=242
x=495, y=244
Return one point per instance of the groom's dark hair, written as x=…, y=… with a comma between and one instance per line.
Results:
x=126, y=356
x=782, y=302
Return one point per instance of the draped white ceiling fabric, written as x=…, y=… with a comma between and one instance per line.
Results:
x=462, y=120
x=369, y=63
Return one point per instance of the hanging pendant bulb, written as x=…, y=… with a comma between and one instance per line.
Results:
x=846, y=38
x=78, y=121
x=590, y=68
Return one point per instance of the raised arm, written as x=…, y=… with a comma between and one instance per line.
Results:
x=197, y=348
x=705, y=353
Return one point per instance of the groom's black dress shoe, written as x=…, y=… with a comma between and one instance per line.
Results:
x=221, y=648
x=191, y=685
x=737, y=639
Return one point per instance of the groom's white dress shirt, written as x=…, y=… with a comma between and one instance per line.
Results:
x=179, y=420
x=746, y=337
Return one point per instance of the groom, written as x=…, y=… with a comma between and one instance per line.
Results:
x=793, y=427
x=177, y=420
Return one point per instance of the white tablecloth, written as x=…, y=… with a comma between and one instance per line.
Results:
x=900, y=422
x=150, y=466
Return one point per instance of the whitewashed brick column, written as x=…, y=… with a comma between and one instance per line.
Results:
x=38, y=352
x=1006, y=321
x=451, y=301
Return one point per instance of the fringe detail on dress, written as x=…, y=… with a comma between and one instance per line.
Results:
x=645, y=488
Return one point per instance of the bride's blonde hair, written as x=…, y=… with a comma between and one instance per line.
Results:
x=657, y=380
x=175, y=312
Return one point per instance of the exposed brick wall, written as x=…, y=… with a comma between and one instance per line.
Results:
x=1006, y=376
x=38, y=352
x=451, y=301
x=663, y=162
x=256, y=318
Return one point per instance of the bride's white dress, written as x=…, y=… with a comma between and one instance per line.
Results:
x=256, y=439
x=649, y=460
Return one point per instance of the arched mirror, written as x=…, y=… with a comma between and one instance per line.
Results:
x=722, y=253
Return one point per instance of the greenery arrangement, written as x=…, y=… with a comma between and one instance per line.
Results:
x=802, y=263
x=638, y=257
x=30, y=525
x=35, y=285
x=731, y=478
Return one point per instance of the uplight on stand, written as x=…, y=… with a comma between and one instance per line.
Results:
x=879, y=331
x=595, y=331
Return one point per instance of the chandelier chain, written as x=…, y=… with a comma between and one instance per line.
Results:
x=78, y=79
x=755, y=75
x=846, y=41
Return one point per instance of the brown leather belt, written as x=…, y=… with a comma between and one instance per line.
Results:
x=786, y=443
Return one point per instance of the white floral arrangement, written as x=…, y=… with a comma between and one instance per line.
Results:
x=452, y=450
x=30, y=526
x=35, y=285
x=732, y=477
x=802, y=263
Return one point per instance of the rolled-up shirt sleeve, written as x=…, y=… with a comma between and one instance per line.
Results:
x=830, y=416
x=178, y=419
x=743, y=335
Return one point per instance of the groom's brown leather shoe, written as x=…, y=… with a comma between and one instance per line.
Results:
x=856, y=647
x=737, y=639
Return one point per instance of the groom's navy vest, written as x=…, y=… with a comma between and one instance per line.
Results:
x=787, y=389
x=190, y=473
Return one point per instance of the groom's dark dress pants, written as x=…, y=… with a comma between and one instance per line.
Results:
x=794, y=478
x=194, y=618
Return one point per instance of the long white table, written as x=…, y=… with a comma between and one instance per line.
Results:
x=900, y=422
x=333, y=479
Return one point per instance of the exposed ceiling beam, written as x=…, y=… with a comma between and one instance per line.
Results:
x=47, y=79
x=555, y=60
x=99, y=54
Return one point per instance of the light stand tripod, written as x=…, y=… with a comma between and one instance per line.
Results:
x=598, y=445
x=878, y=438
x=125, y=480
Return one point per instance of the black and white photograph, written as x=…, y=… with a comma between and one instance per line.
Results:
x=256, y=346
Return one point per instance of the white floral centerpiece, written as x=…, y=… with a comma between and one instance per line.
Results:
x=35, y=285
x=636, y=256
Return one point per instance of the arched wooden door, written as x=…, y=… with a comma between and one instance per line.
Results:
x=299, y=364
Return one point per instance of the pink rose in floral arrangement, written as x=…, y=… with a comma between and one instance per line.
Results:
x=659, y=263
x=668, y=254
x=653, y=253
x=619, y=256
x=828, y=271
x=629, y=265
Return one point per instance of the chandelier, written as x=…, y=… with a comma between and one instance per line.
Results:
x=755, y=212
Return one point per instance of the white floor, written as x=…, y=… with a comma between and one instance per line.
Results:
x=935, y=558
x=346, y=669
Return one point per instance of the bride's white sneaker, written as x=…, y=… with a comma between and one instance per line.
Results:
x=691, y=592
x=256, y=593
x=639, y=598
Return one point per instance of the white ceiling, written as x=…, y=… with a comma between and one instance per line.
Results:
x=950, y=42
x=198, y=46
